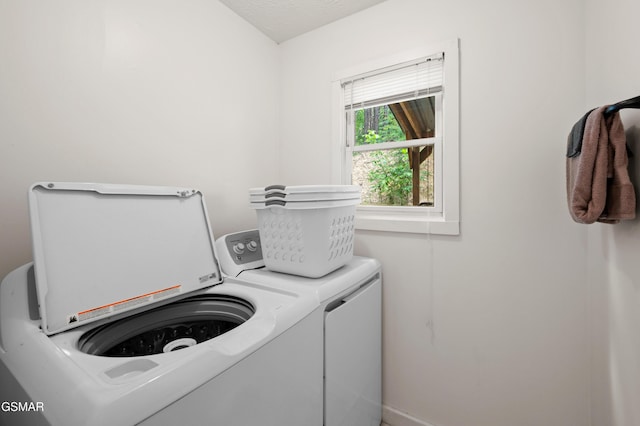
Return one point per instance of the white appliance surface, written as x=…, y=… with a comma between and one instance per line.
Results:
x=105, y=252
x=353, y=358
x=81, y=389
x=351, y=299
x=326, y=288
x=101, y=250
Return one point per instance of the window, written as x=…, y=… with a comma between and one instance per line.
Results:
x=397, y=136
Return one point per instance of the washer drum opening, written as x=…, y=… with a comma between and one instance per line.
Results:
x=168, y=328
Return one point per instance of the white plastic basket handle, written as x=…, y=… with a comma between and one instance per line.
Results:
x=277, y=187
x=275, y=194
x=275, y=202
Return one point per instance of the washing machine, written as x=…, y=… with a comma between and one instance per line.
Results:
x=350, y=301
x=125, y=318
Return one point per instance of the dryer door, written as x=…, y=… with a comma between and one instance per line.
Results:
x=353, y=359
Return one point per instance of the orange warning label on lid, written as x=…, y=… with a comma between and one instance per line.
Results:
x=121, y=305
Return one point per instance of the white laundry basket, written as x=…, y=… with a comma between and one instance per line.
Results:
x=309, y=238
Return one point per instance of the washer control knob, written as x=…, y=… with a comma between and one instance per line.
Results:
x=238, y=248
x=252, y=245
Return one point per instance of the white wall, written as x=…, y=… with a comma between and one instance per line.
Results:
x=151, y=92
x=489, y=328
x=613, y=67
x=500, y=326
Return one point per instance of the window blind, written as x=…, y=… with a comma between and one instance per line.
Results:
x=412, y=79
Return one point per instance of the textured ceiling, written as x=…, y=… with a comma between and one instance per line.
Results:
x=281, y=20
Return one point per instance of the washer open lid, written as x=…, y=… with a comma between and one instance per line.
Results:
x=102, y=250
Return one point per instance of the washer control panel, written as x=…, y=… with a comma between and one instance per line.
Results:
x=239, y=251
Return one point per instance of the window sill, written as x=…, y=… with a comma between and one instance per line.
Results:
x=415, y=222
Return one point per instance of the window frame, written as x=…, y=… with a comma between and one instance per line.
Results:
x=444, y=217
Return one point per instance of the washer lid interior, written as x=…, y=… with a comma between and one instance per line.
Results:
x=101, y=250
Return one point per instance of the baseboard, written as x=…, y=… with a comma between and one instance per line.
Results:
x=394, y=417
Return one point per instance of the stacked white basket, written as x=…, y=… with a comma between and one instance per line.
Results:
x=306, y=230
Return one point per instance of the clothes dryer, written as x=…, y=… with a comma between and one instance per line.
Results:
x=350, y=301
